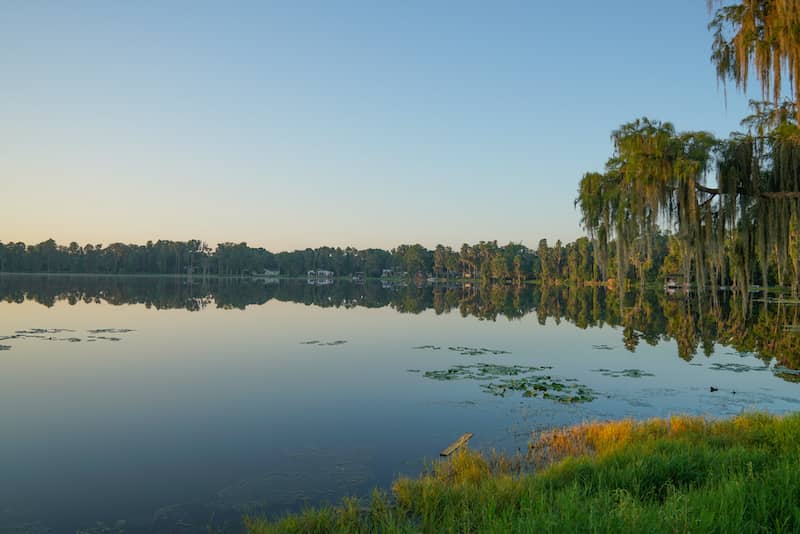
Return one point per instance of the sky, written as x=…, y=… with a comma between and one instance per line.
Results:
x=351, y=123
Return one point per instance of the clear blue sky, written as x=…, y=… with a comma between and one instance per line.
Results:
x=293, y=124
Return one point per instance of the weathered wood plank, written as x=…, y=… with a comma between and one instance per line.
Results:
x=457, y=444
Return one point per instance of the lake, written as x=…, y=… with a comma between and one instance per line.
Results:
x=171, y=404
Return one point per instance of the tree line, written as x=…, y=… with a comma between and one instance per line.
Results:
x=486, y=261
x=574, y=263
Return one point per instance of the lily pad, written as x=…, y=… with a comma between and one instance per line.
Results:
x=785, y=370
x=106, y=338
x=39, y=331
x=529, y=381
x=737, y=367
x=477, y=351
x=627, y=373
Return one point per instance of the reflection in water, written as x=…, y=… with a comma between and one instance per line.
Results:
x=768, y=327
x=121, y=418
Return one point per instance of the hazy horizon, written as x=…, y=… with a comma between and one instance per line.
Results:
x=309, y=124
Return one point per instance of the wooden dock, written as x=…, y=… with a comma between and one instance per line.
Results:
x=463, y=440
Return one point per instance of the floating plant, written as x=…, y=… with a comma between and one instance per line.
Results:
x=528, y=380
x=39, y=331
x=106, y=338
x=477, y=351
x=737, y=367
x=628, y=373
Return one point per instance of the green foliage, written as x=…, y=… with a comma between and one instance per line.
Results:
x=759, y=37
x=732, y=234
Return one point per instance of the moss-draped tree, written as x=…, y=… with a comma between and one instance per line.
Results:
x=747, y=224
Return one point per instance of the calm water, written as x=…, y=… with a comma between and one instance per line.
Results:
x=157, y=404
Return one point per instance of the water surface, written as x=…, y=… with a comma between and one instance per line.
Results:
x=170, y=404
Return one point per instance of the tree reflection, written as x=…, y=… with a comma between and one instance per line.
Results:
x=768, y=326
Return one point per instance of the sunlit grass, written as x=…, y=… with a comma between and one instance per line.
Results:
x=682, y=474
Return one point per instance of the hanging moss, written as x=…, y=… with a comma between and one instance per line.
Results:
x=657, y=177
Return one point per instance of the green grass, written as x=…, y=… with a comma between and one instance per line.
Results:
x=682, y=474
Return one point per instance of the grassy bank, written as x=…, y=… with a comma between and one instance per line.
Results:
x=682, y=474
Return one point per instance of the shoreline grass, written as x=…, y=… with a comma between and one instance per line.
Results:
x=680, y=474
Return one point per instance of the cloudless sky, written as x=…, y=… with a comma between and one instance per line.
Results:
x=294, y=124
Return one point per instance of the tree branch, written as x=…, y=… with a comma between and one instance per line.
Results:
x=771, y=195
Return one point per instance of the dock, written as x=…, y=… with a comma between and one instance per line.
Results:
x=463, y=440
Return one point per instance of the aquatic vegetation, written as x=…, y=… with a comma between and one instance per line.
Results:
x=45, y=334
x=524, y=379
x=5, y=347
x=602, y=347
x=477, y=351
x=790, y=375
x=785, y=370
x=319, y=343
x=39, y=331
x=737, y=367
x=678, y=474
x=310, y=342
x=628, y=373
x=106, y=338
x=482, y=371
x=423, y=347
